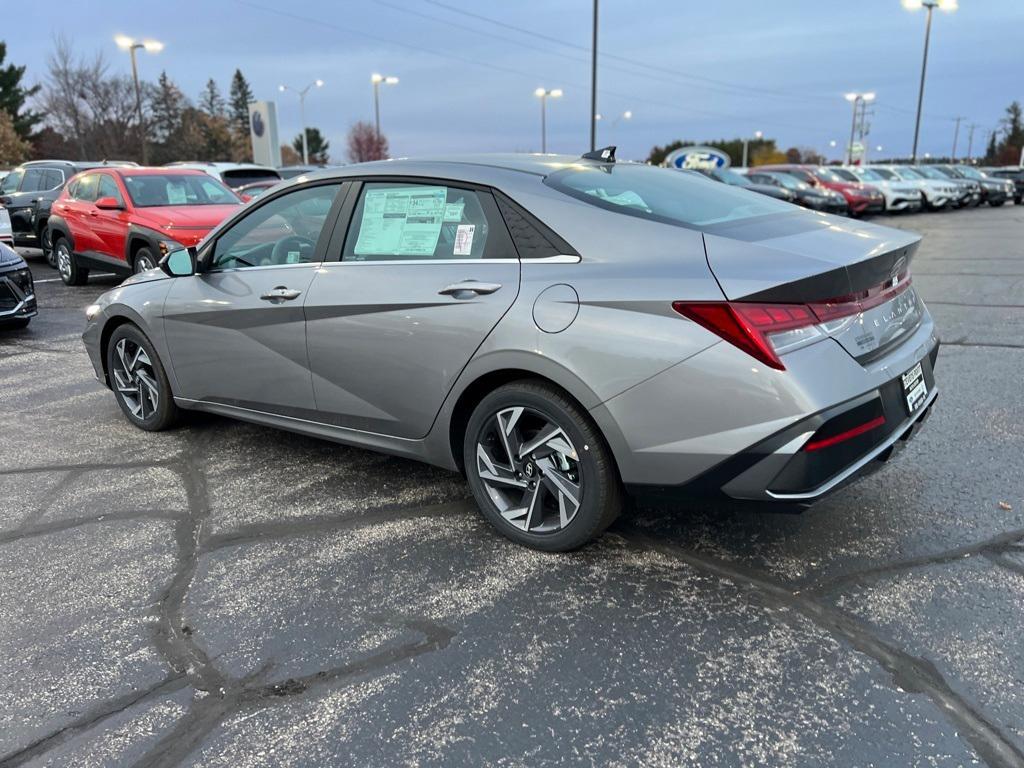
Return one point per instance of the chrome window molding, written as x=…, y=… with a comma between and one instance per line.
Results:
x=261, y=267
x=560, y=259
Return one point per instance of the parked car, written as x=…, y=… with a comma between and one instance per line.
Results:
x=994, y=191
x=1016, y=175
x=861, y=198
x=968, y=191
x=291, y=171
x=557, y=328
x=816, y=198
x=899, y=196
x=6, y=232
x=938, y=194
x=17, y=291
x=729, y=176
x=123, y=220
x=251, y=191
x=29, y=191
x=233, y=175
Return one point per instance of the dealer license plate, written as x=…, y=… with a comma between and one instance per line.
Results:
x=914, y=388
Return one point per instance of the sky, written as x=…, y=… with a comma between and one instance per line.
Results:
x=468, y=70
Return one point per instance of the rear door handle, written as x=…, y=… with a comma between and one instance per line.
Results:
x=281, y=293
x=469, y=288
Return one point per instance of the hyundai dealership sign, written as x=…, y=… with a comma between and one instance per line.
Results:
x=697, y=158
x=266, y=149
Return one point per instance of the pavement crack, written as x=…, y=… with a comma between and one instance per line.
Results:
x=909, y=673
x=59, y=526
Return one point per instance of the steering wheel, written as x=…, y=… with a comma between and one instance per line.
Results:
x=291, y=243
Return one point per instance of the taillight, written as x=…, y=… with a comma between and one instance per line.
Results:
x=765, y=331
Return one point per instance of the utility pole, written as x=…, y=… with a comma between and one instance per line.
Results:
x=593, y=85
x=970, y=140
x=956, y=135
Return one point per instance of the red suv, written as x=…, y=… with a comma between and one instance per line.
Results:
x=124, y=220
x=862, y=198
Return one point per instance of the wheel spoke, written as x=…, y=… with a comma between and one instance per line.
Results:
x=534, y=507
x=494, y=471
x=123, y=354
x=566, y=491
x=149, y=389
x=507, y=432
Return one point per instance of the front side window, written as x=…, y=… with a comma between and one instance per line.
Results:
x=284, y=231
x=108, y=188
x=410, y=222
x=87, y=188
x=11, y=182
x=152, y=190
x=661, y=194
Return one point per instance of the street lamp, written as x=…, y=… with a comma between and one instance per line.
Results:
x=543, y=94
x=131, y=45
x=757, y=135
x=856, y=99
x=302, y=112
x=377, y=79
x=912, y=5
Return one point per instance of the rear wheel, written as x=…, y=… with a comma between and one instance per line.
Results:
x=138, y=379
x=46, y=243
x=539, y=469
x=144, y=260
x=67, y=266
x=996, y=203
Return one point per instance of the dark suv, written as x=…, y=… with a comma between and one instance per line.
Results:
x=28, y=193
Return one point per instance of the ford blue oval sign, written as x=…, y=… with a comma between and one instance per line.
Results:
x=697, y=158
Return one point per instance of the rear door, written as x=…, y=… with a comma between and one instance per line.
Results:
x=426, y=270
x=78, y=212
x=236, y=331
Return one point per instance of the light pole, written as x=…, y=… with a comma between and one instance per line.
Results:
x=931, y=5
x=543, y=94
x=302, y=112
x=131, y=45
x=627, y=115
x=859, y=101
x=757, y=135
x=956, y=135
x=593, y=83
x=377, y=79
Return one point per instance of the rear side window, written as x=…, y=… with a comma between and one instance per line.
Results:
x=662, y=194
x=54, y=178
x=416, y=222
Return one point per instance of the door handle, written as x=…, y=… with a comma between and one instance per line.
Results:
x=281, y=293
x=94, y=213
x=469, y=288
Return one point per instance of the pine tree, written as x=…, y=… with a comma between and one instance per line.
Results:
x=241, y=95
x=316, y=145
x=13, y=96
x=210, y=100
x=167, y=104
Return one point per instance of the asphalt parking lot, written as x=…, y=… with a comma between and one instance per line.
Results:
x=228, y=595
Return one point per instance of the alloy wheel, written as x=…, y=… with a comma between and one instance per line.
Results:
x=64, y=261
x=142, y=263
x=530, y=470
x=135, y=379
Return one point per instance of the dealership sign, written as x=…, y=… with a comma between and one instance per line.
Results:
x=266, y=149
x=697, y=158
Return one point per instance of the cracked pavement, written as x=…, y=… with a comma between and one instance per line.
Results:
x=227, y=595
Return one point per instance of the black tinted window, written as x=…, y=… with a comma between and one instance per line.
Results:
x=54, y=178
x=35, y=180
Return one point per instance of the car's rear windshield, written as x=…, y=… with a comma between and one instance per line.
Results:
x=239, y=177
x=661, y=194
x=151, y=190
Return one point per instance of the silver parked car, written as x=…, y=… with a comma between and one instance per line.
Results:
x=562, y=330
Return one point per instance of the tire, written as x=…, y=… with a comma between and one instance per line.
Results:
x=1017, y=200
x=67, y=265
x=996, y=204
x=143, y=260
x=46, y=243
x=531, y=500
x=138, y=379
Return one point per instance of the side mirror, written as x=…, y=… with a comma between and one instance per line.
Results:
x=109, y=204
x=180, y=262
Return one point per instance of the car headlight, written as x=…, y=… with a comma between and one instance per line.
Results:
x=23, y=279
x=91, y=311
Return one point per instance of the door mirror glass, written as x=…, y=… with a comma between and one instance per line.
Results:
x=179, y=263
x=109, y=204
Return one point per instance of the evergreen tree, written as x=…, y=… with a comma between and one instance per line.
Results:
x=13, y=96
x=316, y=145
x=241, y=95
x=210, y=101
x=991, y=151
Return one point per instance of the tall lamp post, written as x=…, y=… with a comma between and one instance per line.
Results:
x=913, y=5
x=757, y=135
x=302, y=112
x=544, y=94
x=131, y=45
x=627, y=115
x=377, y=79
x=859, y=101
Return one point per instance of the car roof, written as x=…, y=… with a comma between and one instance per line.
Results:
x=216, y=166
x=150, y=171
x=80, y=165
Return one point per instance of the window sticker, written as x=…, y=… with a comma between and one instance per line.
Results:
x=453, y=212
x=176, y=194
x=464, y=240
x=401, y=222
x=294, y=257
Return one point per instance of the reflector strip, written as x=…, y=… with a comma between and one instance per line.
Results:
x=827, y=442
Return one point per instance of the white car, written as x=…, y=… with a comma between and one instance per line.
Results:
x=899, y=195
x=6, y=232
x=234, y=175
x=937, y=194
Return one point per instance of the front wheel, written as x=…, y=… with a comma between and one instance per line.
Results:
x=138, y=379
x=143, y=260
x=67, y=266
x=539, y=469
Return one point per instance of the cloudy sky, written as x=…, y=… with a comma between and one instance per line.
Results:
x=694, y=70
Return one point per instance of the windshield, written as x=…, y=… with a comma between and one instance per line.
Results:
x=153, y=190
x=885, y=173
x=972, y=173
x=932, y=173
x=866, y=174
x=910, y=173
x=844, y=174
x=661, y=194
x=789, y=182
x=731, y=177
x=827, y=174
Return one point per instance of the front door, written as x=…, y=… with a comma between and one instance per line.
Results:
x=426, y=271
x=236, y=331
x=110, y=225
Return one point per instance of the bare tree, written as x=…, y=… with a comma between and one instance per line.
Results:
x=364, y=144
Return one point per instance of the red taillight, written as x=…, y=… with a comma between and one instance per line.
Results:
x=748, y=326
x=842, y=437
x=852, y=304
